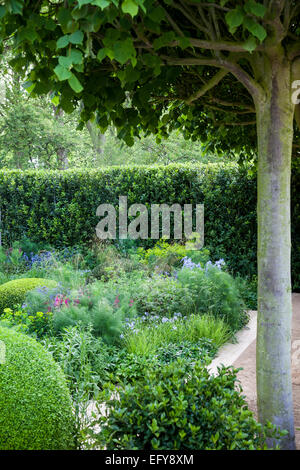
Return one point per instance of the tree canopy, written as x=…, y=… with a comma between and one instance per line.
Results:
x=153, y=66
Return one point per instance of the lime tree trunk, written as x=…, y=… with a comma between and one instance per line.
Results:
x=275, y=112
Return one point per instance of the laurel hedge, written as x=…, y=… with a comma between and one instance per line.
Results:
x=60, y=207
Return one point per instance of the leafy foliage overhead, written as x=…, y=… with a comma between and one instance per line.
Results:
x=153, y=65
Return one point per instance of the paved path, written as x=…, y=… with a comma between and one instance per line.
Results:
x=230, y=352
x=247, y=360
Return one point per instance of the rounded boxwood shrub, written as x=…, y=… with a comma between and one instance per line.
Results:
x=13, y=292
x=35, y=404
x=175, y=407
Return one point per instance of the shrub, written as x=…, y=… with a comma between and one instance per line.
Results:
x=163, y=296
x=11, y=260
x=84, y=359
x=127, y=367
x=13, y=293
x=45, y=299
x=194, y=290
x=36, y=324
x=46, y=204
x=248, y=290
x=189, y=351
x=216, y=292
x=106, y=322
x=111, y=264
x=35, y=405
x=98, y=305
x=164, y=257
x=172, y=410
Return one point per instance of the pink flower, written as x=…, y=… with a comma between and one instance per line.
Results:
x=117, y=300
x=58, y=300
x=131, y=302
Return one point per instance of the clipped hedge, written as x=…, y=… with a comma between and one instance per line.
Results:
x=166, y=411
x=35, y=404
x=60, y=207
x=14, y=292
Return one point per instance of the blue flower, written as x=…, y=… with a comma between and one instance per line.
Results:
x=189, y=264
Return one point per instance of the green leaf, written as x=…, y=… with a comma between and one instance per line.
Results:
x=29, y=86
x=83, y=2
x=63, y=42
x=255, y=8
x=50, y=24
x=77, y=37
x=152, y=61
x=129, y=6
x=15, y=6
x=75, y=84
x=76, y=56
x=164, y=40
x=65, y=61
x=79, y=68
x=62, y=72
x=250, y=44
x=64, y=16
x=101, y=54
x=28, y=34
x=111, y=36
x=234, y=18
x=255, y=28
x=184, y=42
x=157, y=14
x=124, y=50
x=79, y=13
x=101, y=3
x=2, y=11
x=55, y=100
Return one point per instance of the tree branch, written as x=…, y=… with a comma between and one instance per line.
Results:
x=246, y=123
x=253, y=87
x=227, y=46
x=232, y=111
x=208, y=86
x=191, y=18
x=233, y=104
x=215, y=5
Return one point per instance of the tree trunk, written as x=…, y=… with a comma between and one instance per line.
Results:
x=63, y=161
x=275, y=137
x=62, y=153
x=98, y=140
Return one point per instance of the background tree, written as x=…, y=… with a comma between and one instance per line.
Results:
x=32, y=133
x=200, y=66
x=35, y=134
